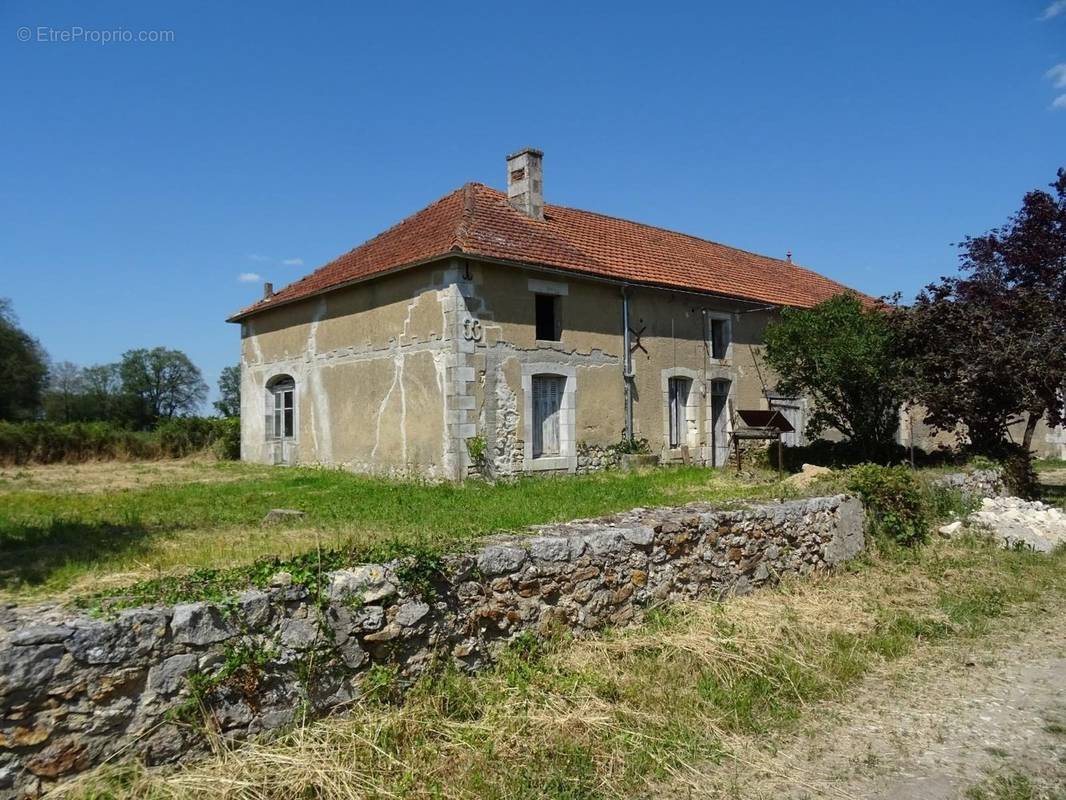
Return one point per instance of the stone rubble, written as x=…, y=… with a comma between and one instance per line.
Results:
x=76, y=690
x=808, y=474
x=1014, y=522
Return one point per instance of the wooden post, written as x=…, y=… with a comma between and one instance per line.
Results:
x=780, y=456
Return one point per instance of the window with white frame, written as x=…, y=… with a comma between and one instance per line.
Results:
x=678, y=393
x=281, y=408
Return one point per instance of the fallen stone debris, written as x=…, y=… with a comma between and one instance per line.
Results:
x=1014, y=522
x=808, y=474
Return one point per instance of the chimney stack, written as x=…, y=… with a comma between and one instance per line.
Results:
x=525, y=182
x=268, y=291
x=788, y=256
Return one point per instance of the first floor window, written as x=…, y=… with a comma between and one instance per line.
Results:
x=547, y=322
x=283, y=417
x=547, y=407
x=678, y=400
x=719, y=338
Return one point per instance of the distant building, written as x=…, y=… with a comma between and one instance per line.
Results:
x=492, y=325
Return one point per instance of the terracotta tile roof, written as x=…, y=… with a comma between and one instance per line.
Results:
x=477, y=220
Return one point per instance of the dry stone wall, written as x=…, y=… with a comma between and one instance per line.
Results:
x=979, y=483
x=76, y=690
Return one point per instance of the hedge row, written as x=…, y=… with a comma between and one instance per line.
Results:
x=53, y=442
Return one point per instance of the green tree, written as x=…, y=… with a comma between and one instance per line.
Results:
x=841, y=354
x=159, y=384
x=987, y=348
x=64, y=399
x=102, y=392
x=24, y=367
x=229, y=391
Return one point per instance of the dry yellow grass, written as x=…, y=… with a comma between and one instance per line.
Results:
x=103, y=476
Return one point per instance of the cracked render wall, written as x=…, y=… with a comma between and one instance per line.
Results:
x=375, y=369
x=398, y=374
x=673, y=332
x=77, y=690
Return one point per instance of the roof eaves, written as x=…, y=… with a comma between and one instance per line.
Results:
x=266, y=305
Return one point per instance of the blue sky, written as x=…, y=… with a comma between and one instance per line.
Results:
x=142, y=179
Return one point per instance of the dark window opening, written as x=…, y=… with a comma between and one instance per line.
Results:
x=719, y=338
x=547, y=306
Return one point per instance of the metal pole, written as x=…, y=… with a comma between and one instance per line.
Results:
x=627, y=366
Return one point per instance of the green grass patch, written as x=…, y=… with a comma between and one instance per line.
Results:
x=50, y=541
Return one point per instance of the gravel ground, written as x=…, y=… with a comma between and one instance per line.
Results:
x=925, y=729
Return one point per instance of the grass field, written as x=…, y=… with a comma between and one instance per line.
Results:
x=665, y=710
x=72, y=529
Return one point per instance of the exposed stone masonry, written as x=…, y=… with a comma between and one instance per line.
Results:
x=75, y=690
x=977, y=484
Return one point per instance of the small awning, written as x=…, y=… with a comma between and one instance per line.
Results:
x=760, y=424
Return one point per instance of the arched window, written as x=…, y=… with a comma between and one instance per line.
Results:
x=281, y=407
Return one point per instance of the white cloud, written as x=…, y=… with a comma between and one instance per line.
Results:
x=1059, y=102
x=249, y=277
x=1054, y=10
x=1057, y=76
x=293, y=262
x=254, y=257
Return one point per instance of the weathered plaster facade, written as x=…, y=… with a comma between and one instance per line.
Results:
x=398, y=374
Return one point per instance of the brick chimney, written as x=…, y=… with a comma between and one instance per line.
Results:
x=525, y=182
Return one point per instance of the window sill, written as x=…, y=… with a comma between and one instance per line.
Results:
x=551, y=463
x=548, y=342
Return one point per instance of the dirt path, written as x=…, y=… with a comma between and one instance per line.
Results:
x=925, y=731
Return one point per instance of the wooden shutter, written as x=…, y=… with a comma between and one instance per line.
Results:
x=547, y=402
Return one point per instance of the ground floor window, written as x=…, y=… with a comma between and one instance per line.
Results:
x=281, y=414
x=547, y=396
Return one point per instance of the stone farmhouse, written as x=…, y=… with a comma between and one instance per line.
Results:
x=493, y=331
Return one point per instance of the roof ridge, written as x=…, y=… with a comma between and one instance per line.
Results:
x=704, y=239
x=676, y=233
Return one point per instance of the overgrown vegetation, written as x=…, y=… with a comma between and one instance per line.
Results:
x=647, y=710
x=626, y=446
x=51, y=442
x=902, y=505
x=894, y=501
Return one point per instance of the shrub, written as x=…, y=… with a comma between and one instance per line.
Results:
x=631, y=447
x=894, y=500
x=51, y=442
x=227, y=444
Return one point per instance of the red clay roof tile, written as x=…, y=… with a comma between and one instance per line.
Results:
x=477, y=220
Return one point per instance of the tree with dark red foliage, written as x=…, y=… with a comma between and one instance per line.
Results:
x=988, y=348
